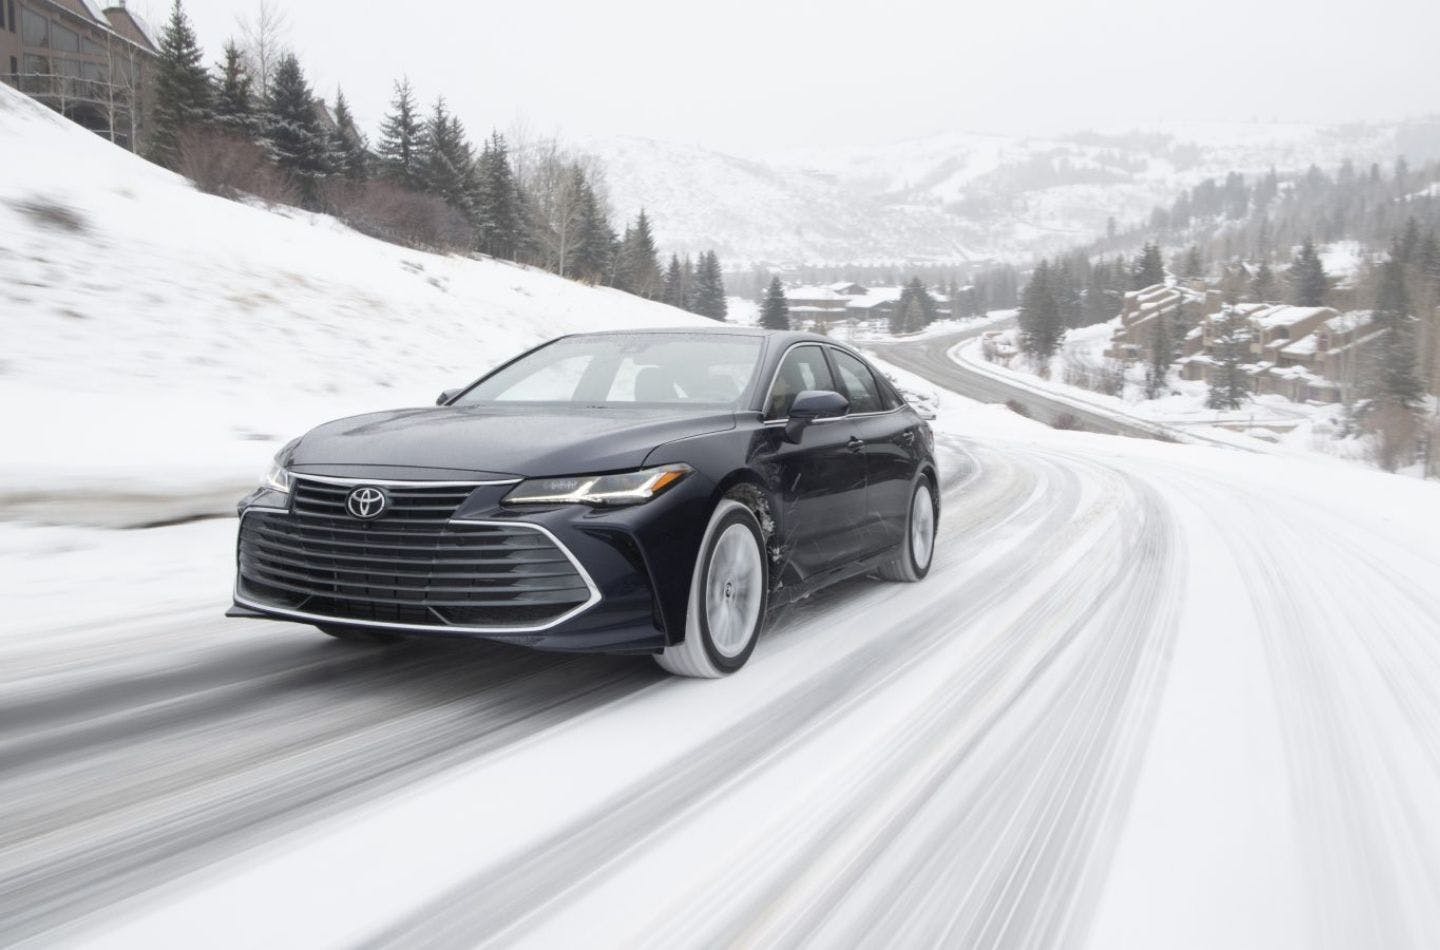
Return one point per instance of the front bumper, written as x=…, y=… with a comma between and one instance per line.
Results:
x=636, y=564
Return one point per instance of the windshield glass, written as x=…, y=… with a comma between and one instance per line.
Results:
x=700, y=369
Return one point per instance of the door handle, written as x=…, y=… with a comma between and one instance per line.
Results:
x=855, y=444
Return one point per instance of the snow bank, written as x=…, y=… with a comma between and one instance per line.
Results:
x=162, y=341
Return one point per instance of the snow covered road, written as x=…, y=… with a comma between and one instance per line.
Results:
x=1150, y=695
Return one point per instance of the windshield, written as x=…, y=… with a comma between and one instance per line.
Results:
x=700, y=369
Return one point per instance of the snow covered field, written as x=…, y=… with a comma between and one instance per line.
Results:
x=161, y=344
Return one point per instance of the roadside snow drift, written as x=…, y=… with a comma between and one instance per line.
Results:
x=159, y=340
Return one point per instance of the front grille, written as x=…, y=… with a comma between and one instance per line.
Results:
x=409, y=566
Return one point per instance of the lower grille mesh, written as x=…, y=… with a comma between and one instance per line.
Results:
x=410, y=566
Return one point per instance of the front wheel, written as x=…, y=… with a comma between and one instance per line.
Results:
x=728, y=596
x=912, y=562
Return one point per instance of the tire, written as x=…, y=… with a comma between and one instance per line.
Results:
x=359, y=635
x=729, y=593
x=917, y=552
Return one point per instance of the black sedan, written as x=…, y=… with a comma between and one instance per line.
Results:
x=638, y=492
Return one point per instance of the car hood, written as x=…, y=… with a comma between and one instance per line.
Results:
x=501, y=440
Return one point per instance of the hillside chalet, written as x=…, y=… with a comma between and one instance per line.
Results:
x=88, y=64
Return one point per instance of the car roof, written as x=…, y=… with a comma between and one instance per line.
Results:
x=781, y=337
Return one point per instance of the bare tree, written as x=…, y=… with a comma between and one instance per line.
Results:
x=122, y=91
x=264, y=39
x=554, y=183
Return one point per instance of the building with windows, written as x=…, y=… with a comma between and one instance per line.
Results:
x=849, y=301
x=1182, y=306
x=91, y=65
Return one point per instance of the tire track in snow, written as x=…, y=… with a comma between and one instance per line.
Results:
x=1365, y=774
x=117, y=783
x=505, y=902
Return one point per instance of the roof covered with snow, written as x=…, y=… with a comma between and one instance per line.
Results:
x=93, y=9
x=1350, y=320
x=811, y=292
x=125, y=21
x=1281, y=315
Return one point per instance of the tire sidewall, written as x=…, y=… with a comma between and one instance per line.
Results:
x=918, y=571
x=731, y=515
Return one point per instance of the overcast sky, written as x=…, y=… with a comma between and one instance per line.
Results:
x=755, y=76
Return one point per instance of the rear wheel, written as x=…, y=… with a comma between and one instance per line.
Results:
x=728, y=595
x=358, y=634
x=912, y=562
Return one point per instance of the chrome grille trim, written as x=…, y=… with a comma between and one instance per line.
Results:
x=593, y=592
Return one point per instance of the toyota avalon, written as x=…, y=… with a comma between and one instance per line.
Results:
x=655, y=492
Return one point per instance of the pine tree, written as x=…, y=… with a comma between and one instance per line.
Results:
x=674, y=290
x=1309, y=284
x=1229, y=384
x=775, y=312
x=352, y=151
x=1099, y=304
x=1194, y=263
x=294, y=138
x=1041, y=327
x=499, y=221
x=1429, y=260
x=1410, y=242
x=1162, y=355
x=594, y=251
x=1149, y=268
x=1262, y=285
x=234, y=98
x=402, y=138
x=1265, y=242
x=709, y=288
x=183, y=95
x=638, y=269
x=447, y=162
x=1393, y=380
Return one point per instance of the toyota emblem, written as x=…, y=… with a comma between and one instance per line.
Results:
x=366, y=503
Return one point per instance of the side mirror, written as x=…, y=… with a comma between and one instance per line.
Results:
x=446, y=396
x=810, y=405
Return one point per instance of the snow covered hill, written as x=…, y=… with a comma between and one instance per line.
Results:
x=158, y=339
x=960, y=196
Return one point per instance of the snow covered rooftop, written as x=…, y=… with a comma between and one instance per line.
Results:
x=93, y=8
x=813, y=293
x=1350, y=320
x=141, y=24
x=875, y=297
x=1280, y=315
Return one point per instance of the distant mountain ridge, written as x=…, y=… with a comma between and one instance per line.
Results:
x=960, y=196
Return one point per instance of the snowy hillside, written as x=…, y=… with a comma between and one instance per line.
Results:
x=960, y=196
x=748, y=210
x=158, y=337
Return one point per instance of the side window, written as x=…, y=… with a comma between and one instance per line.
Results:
x=859, y=383
x=803, y=368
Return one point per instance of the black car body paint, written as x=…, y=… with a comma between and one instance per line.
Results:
x=836, y=502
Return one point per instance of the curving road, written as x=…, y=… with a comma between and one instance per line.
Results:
x=930, y=358
x=1150, y=694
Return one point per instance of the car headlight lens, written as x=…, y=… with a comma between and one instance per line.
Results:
x=278, y=477
x=628, y=488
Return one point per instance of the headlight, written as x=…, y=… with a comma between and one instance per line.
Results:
x=277, y=477
x=630, y=488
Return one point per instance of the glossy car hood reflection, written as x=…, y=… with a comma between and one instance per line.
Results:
x=510, y=440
